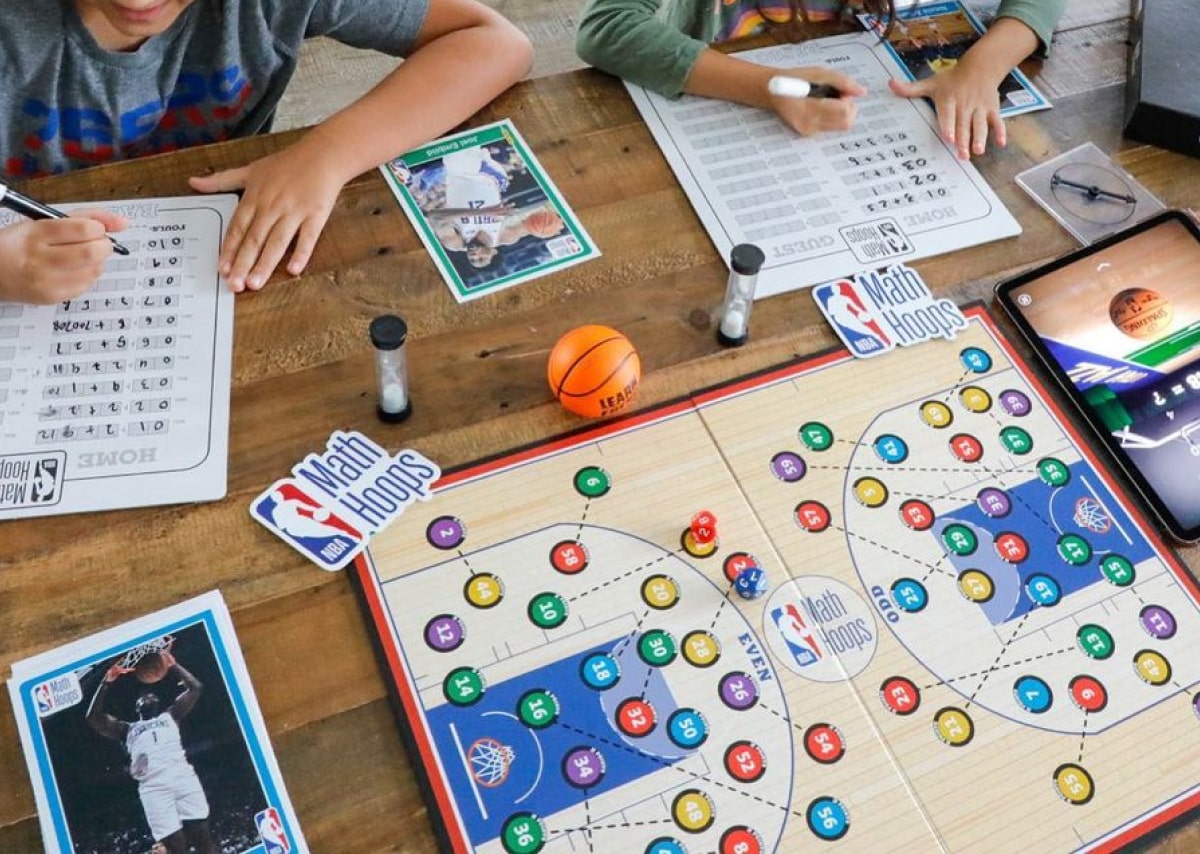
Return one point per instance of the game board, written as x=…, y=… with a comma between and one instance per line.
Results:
x=971, y=640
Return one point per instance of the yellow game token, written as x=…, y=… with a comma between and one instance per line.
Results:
x=1152, y=667
x=870, y=492
x=975, y=399
x=484, y=590
x=953, y=726
x=696, y=549
x=1073, y=784
x=936, y=414
x=693, y=811
x=977, y=586
x=701, y=649
x=660, y=592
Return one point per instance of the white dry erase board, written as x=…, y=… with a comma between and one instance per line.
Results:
x=825, y=206
x=120, y=397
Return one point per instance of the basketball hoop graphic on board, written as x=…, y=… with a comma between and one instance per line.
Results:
x=490, y=761
x=1090, y=514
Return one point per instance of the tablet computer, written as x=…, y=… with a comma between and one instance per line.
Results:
x=1118, y=326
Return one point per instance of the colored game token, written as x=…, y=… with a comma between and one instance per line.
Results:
x=974, y=399
x=936, y=414
x=1015, y=402
x=1117, y=570
x=966, y=448
x=891, y=448
x=583, y=767
x=1053, y=472
x=1152, y=667
x=693, y=811
x=538, y=708
x=960, y=539
x=484, y=590
x=569, y=557
x=701, y=648
x=463, y=686
x=735, y=563
x=600, y=671
x=975, y=360
x=953, y=726
x=1033, y=694
x=1043, y=590
x=523, y=833
x=1016, y=440
x=812, y=516
x=816, y=436
x=824, y=743
x=636, y=717
x=704, y=527
x=751, y=583
x=738, y=691
x=900, y=695
x=548, y=610
x=446, y=533
x=1073, y=784
x=687, y=728
x=657, y=648
x=665, y=845
x=788, y=466
x=660, y=592
x=1074, y=549
x=976, y=585
x=740, y=839
x=993, y=502
x=695, y=549
x=916, y=514
x=592, y=482
x=1088, y=693
x=1095, y=641
x=1011, y=547
x=445, y=633
x=827, y=818
x=745, y=761
x=1158, y=622
x=870, y=492
x=909, y=595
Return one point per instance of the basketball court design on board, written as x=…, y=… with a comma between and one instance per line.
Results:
x=969, y=636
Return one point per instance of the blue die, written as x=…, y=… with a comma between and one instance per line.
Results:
x=751, y=583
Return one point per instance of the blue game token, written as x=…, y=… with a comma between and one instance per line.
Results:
x=687, y=728
x=666, y=845
x=909, y=595
x=1043, y=590
x=827, y=818
x=751, y=582
x=975, y=360
x=600, y=671
x=1033, y=694
x=891, y=448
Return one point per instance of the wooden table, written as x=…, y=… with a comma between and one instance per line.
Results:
x=303, y=367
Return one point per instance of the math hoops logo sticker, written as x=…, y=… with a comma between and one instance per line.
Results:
x=270, y=830
x=307, y=525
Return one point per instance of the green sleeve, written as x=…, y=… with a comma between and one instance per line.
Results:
x=1041, y=16
x=626, y=38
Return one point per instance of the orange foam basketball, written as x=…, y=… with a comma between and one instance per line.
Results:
x=594, y=371
x=150, y=668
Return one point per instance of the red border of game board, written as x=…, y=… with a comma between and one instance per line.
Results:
x=417, y=738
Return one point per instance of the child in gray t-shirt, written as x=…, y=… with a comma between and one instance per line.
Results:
x=92, y=81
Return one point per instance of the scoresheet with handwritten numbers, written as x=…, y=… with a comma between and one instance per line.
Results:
x=825, y=206
x=120, y=397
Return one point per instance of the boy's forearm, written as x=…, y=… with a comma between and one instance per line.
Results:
x=1002, y=48
x=718, y=75
x=433, y=90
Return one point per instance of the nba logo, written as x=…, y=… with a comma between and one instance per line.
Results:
x=270, y=830
x=800, y=640
x=850, y=318
x=44, y=699
x=306, y=524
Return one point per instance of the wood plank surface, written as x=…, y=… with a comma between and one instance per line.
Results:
x=303, y=367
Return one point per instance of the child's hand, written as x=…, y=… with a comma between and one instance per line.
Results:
x=46, y=261
x=967, y=101
x=813, y=115
x=289, y=194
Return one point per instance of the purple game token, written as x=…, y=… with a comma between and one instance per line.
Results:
x=788, y=466
x=738, y=691
x=1015, y=403
x=583, y=767
x=446, y=532
x=444, y=633
x=1158, y=622
x=994, y=502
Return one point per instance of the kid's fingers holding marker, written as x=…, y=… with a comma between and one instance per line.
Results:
x=808, y=113
x=46, y=261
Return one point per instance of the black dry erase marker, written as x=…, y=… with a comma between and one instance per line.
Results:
x=794, y=87
x=26, y=206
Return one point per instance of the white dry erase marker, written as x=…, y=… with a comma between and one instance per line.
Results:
x=794, y=87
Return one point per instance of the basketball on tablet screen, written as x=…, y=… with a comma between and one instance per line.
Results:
x=594, y=371
x=1141, y=312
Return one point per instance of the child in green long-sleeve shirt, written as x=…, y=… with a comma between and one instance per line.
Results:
x=672, y=55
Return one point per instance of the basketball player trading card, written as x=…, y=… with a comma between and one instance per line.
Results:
x=486, y=210
x=1118, y=326
x=147, y=737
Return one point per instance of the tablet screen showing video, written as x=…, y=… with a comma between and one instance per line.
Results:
x=1119, y=325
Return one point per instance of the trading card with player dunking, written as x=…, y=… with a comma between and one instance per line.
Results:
x=929, y=38
x=1088, y=194
x=147, y=737
x=486, y=210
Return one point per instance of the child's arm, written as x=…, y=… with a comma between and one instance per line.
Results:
x=625, y=38
x=465, y=56
x=966, y=96
x=45, y=261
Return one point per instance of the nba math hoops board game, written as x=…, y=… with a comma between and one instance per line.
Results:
x=970, y=639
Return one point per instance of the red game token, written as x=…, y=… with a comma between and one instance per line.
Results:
x=704, y=527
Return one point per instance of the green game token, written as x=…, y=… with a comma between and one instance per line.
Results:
x=1074, y=549
x=548, y=610
x=463, y=686
x=1053, y=472
x=1095, y=641
x=960, y=539
x=592, y=481
x=523, y=833
x=816, y=436
x=1118, y=570
x=657, y=648
x=1017, y=440
x=537, y=709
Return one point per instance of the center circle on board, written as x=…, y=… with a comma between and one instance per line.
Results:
x=1088, y=693
x=660, y=592
x=1015, y=402
x=569, y=557
x=547, y=610
x=592, y=482
x=824, y=743
x=523, y=833
x=693, y=811
x=738, y=690
x=975, y=360
x=891, y=448
x=1158, y=622
x=745, y=761
x=740, y=839
x=665, y=845
x=687, y=728
x=701, y=648
x=583, y=767
x=974, y=399
x=909, y=595
x=600, y=671
x=816, y=436
x=1095, y=641
x=1053, y=472
x=446, y=533
x=445, y=633
x=484, y=590
x=993, y=502
x=538, y=708
x=1073, y=784
x=827, y=818
x=953, y=726
x=1033, y=694
x=788, y=466
x=936, y=414
x=636, y=717
x=820, y=628
x=657, y=648
x=976, y=585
